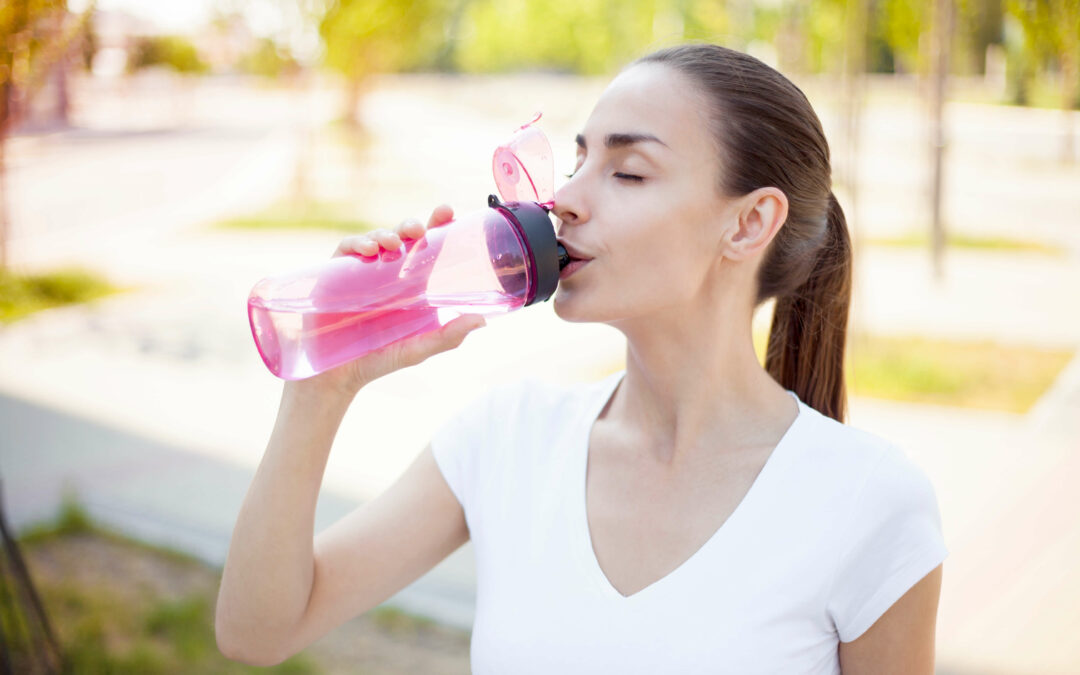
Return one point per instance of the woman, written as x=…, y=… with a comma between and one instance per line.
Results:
x=697, y=513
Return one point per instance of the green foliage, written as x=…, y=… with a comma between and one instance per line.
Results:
x=589, y=37
x=71, y=520
x=298, y=215
x=825, y=22
x=128, y=633
x=363, y=37
x=395, y=621
x=901, y=24
x=957, y=373
x=22, y=295
x=979, y=24
x=961, y=241
x=1050, y=26
x=130, y=629
x=1050, y=35
x=598, y=36
x=170, y=51
x=268, y=59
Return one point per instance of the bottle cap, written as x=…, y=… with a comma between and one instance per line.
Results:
x=523, y=167
x=533, y=226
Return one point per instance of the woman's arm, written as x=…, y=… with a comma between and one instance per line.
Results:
x=281, y=589
x=270, y=565
x=902, y=640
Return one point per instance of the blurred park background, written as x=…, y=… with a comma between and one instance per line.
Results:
x=158, y=158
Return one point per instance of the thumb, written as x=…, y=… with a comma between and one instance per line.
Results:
x=463, y=325
x=413, y=351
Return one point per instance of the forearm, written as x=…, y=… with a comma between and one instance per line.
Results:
x=268, y=574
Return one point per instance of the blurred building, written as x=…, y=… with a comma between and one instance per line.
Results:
x=116, y=35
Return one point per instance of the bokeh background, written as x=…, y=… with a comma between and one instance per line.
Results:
x=158, y=158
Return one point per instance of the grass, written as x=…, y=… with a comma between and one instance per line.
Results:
x=961, y=241
x=963, y=374
x=22, y=295
x=298, y=215
x=103, y=629
x=118, y=623
x=983, y=375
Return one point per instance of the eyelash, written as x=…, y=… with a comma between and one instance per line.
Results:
x=623, y=176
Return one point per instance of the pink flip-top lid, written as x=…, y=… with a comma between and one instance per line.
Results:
x=523, y=167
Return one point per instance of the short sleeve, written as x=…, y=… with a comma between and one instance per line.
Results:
x=459, y=443
x=893, y=540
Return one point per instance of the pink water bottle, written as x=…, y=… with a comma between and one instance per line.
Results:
x=490, y=261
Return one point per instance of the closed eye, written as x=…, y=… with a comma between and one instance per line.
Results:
x=630, y=177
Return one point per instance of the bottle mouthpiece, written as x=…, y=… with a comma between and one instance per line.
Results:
x=564, y=257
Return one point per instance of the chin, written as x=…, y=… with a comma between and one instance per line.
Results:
x=570, y=307
x=567, y=309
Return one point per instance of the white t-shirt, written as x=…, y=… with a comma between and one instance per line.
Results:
x=837, y=526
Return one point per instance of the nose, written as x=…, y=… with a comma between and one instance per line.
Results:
x=570, y=205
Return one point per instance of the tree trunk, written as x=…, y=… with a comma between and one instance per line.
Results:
x=5, y=118
x=62, y=111
x=1068, y=102
x=853, y=94
x=353, y=89
x=941, y=30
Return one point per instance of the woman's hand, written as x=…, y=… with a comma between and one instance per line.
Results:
x=349, y=378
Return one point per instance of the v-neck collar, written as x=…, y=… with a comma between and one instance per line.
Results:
x=606, y=391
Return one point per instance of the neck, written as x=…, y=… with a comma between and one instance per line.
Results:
x=694, y=385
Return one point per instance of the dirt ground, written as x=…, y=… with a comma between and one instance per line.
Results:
x=381, y=642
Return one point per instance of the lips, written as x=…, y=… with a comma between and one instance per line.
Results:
x=574, y=266
x=575, y=253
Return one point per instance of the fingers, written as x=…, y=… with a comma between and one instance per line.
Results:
x=414, y=229
x=442, y=215
x=411, y=228
x=369, y=244
x=415, y=350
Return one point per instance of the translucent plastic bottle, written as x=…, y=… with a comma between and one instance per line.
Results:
x=491, y=261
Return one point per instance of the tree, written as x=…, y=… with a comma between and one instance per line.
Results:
x=1052, y=32
x=364, y=37
x=169, y=51
x=39, y=35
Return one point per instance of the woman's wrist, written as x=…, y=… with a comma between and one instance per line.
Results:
x=332, y=395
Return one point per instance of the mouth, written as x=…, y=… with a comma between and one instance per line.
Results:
x=572, y=267
x=568, y=255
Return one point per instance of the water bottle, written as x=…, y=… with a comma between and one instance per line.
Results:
x=491, y=261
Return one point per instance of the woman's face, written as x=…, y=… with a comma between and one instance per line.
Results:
x=642, y=202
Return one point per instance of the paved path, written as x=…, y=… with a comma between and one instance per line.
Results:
x=156, y=408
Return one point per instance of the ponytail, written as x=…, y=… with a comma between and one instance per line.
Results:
x=809, y=326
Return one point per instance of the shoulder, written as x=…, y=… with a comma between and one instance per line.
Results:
x=852, y=453
x=866, y=480
x=885, y=525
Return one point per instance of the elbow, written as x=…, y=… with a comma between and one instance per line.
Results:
x=236, y=644
x=235, y=650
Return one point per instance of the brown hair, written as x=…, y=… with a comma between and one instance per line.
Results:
x=768, y=135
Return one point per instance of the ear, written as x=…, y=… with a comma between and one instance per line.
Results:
x=759, y=217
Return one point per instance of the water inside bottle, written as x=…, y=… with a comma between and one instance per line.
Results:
x=297, y=340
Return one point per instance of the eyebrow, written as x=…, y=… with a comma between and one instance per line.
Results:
x=623, y=140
